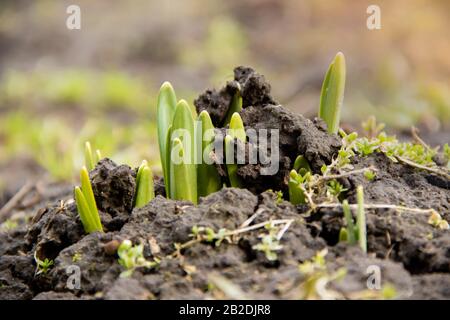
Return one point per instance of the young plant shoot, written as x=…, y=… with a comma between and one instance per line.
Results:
x=144, y=186
x=87, y=208
x=298, y=178
x=166, y=104
x=182, y=170
x=355, y=233
x=332, y=94
x=236, y=131
x=90, y=158
x=208, y=179
x=235, y=106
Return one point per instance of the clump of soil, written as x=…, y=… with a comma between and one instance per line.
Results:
x=411, y=255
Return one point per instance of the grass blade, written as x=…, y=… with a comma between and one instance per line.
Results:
x=349, y=221
x=208, y=179
x=237, y=129
x=166, y=104
x=88, y=158
x=332, y=94
x=361, y=219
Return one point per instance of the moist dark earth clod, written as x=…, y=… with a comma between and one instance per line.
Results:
x=410, y=254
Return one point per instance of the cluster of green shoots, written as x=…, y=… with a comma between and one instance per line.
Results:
x=186, y=146
x=132, y=257
x=84, y=195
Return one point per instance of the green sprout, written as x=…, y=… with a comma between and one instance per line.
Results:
x=369, y=175
x=208, y=178
x=90, y=158
x=335, y=188
x=132, y=257
x=269, y=244
x=181, y=145
x=144, y=185
x=42, y=266
x=87, y=208
x=351, y=233
x=166, y=104
x=298, y=179
x=176, y=137
x=237, y=131
x=235, y=106
x=332, y=94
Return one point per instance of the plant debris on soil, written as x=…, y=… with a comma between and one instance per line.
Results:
x=236, y=243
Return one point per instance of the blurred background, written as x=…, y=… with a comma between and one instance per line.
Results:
x=60, y=87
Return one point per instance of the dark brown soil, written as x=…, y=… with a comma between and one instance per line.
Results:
x=411, y=255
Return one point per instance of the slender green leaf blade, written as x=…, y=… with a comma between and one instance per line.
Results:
x=88, y=157
x=332, y=94
x=89, y=224
x=349, y=221
x=166, y=104
x=86, y=188
x=361, y=219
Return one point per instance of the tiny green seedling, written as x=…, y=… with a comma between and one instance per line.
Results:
x=335, y=189
x=269, y=244
x=90, y=158
x=351, y=233
x=42, y=266
x=87, y=208
x=299, y=177
x=332, y=94
x=144, y=185
x=132, y=257
x=236, y=131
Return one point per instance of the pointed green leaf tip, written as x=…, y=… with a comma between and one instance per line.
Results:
x=88, y=158
x=86, y=205
x=166, y=105
x=237, y=129
x=91, y=159
x=235, y=106
x=144, y=185
x=208, y=179
x=332, y=94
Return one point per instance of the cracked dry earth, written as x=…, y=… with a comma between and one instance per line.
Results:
x=412, y=255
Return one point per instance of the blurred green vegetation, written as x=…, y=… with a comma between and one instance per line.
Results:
x=59, y=88
x=49, y=117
